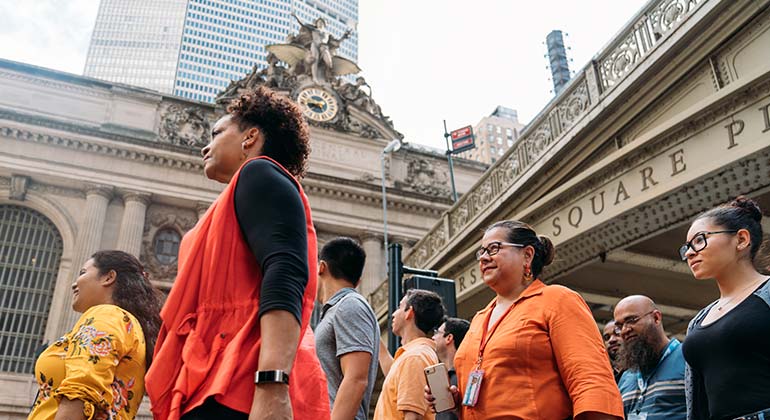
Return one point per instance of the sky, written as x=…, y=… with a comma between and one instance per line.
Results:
x=426, y=60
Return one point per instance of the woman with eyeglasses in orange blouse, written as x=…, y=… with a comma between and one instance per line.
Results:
x=534, y=352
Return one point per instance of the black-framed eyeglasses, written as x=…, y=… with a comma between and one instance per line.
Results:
x=629, y=321
x=698, y=242
x=493, y=248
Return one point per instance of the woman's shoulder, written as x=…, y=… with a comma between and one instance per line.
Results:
x=108, y=314
x=560, y=292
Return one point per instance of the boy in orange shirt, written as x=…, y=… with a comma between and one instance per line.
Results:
x=418, y=315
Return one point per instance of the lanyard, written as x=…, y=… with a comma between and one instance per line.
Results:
x=484, y=338
x=640, y=380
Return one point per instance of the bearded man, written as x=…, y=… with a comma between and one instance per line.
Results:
x=652, y=385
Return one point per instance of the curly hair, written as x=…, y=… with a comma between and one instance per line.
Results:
x=134, y=293
x=287, y=137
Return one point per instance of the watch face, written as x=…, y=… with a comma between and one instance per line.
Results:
x=317, y=104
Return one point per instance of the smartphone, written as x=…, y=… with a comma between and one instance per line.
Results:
x=438, y=381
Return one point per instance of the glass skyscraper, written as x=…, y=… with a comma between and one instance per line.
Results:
x=193, y=48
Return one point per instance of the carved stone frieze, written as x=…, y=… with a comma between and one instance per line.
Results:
x=424, y=178
x=160, y=217
x=48, y=189
x=660, y=18
x=184, y=126
x=114, y=149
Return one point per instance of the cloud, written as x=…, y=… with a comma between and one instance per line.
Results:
x=48, y=33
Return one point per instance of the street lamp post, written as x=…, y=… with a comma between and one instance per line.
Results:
x=393, y=146
x=393, y=287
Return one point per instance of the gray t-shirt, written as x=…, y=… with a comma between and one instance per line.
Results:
x=347, y=325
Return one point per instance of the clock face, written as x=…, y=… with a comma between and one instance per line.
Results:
x=318, y=104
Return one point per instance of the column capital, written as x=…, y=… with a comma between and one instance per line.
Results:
x=367, y=236
x=105, y=191
x=201, y=207
x=141, y=197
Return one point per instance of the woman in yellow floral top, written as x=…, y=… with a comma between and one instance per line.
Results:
x=96, y=371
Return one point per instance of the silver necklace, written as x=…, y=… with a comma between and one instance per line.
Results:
x=740, y=292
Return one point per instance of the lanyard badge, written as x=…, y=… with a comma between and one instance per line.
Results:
x=472, y=390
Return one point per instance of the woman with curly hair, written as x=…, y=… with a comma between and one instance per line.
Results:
x=235, y=323
x=96, y=371
x=728, y=342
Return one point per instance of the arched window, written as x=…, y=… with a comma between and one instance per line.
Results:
x=30, y=253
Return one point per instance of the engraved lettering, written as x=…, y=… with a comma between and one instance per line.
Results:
x=677, y=162
x=647, y=176
x=579, y=216
x=593, y=203
x=621, y=190
x=556, y=224
x=735, y=128
x=766, y=114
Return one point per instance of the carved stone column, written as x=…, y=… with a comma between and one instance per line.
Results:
x=132, y=226
x=89, y=239
x=374, y=270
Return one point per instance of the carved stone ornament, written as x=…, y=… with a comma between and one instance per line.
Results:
x=184, y=126
x=19, y=185
x=424, y=178
x=158, y=219
x=308, y=69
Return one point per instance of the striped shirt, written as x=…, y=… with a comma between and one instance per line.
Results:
x=659, y=395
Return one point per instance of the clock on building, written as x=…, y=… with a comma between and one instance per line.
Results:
x=318, y=104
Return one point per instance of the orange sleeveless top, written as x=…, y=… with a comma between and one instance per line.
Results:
x=210, y=337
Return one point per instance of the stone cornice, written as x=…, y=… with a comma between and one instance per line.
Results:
x=363, y=193
x=117, y=150
x=137, y=138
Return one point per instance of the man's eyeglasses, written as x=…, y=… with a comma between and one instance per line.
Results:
x=629, y=321
x=493, y=248
x=698, y=242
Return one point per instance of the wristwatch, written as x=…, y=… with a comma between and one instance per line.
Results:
x=271, y=377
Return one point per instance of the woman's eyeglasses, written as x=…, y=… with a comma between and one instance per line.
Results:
x=493, y=248
x=698, y=242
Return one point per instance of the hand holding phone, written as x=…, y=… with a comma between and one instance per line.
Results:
x=438, y=381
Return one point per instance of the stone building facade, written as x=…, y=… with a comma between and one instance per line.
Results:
x=89, y=165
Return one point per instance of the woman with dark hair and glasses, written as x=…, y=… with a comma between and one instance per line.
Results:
x=534, y=352
x=96, y=371
x=728, y=342
x=235, y=342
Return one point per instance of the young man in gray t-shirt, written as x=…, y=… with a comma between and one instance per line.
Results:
x=347, y=337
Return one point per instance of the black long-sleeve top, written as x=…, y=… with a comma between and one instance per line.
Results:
x=271, y=215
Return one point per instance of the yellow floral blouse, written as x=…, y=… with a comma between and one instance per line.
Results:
x=101, y=362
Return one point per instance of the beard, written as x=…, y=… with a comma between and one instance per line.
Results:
x=638, y=354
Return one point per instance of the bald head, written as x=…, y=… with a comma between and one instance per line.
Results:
x=637, y=316
x=640, y=302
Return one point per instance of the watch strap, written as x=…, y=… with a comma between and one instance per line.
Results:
x=271, y=377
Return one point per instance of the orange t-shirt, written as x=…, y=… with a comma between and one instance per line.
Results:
x=545, y=360
x=404, y=387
